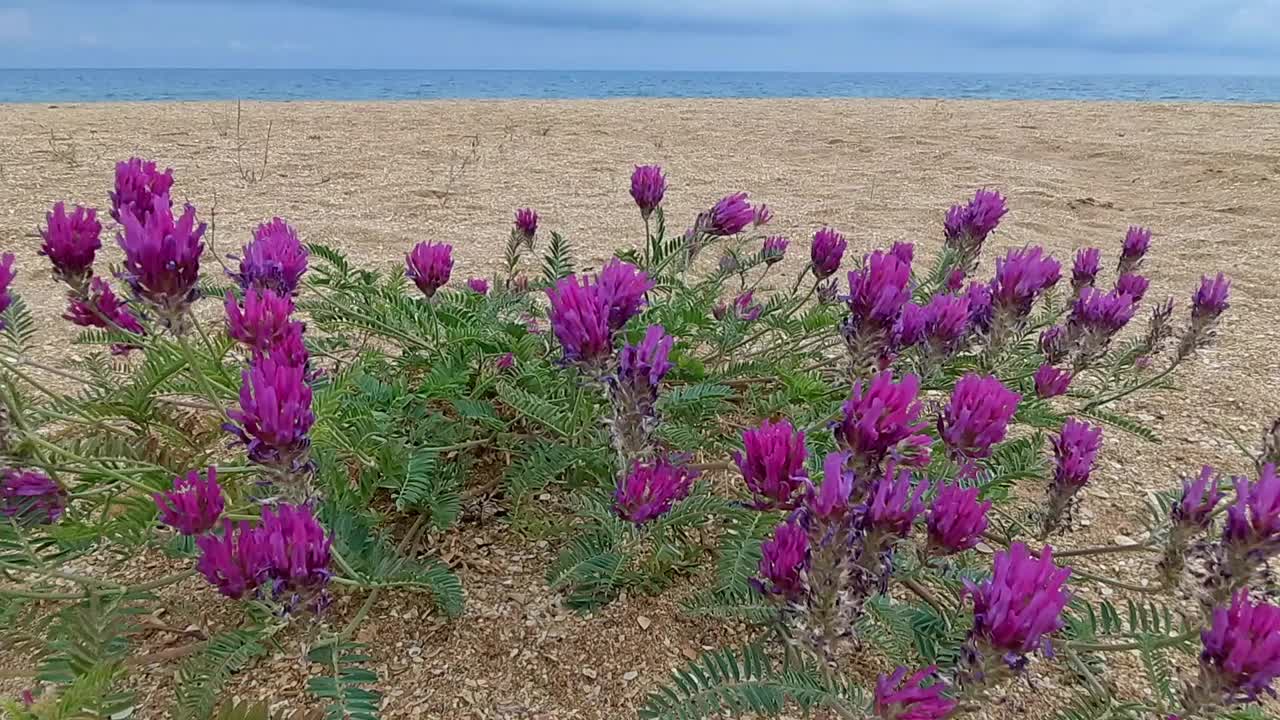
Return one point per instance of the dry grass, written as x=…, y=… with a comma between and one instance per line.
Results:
x=372, y=178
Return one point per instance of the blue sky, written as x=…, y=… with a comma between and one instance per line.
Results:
x=1092, y=36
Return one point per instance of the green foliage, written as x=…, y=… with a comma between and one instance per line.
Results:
x=345, y=682
x=202, y=676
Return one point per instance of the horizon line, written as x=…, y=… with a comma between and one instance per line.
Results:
x=1043, y=73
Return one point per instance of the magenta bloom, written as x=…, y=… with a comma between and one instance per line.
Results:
x=881, y=420
x=831, y=500
x=1075, y=449
x=70, y=242
x=263, y=322
x=623, y=286
x=772, y=464
x=981, y=310
x=31, y=498
x=878, y=291
x=651, y=489
x=904, y=251
x=910, y=327
x=946, y=322
x=233, y=560
x=967, y=226
x=1210, y=300
x=580, y=319
x=1088, y=263
x=745, y=309
x=295, y=550
x=955, y=280
x=730, y=216
x=894, y=506
x=429, y=265
x=1136, y=243
x=1254, y=520
x=956, y=519
x=784, y=561
x=275, y=413
x=100, y=307
x=774, y=248
x=162, y=258
x=140, y=190
x=526, y=225
x=1194, y=509
x=7, y=274
x=1054, y=343
x=761, y=215
x=1241, y=655
x=478, y=285
x=1020, y=604
x=1021, y=276
x=1135, y=286
x=274, y=260
x=1052, y=382
x=193, y=506
x=826, y=252
x=911, y=699
x=646, y=364
x=977, y=416
x=648, y=185
x=506, y=361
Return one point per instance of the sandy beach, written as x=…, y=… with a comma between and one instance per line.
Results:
x=373, y=178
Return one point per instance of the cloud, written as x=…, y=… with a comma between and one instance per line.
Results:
x=15, y=26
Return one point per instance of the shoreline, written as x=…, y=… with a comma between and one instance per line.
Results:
x=290, y=102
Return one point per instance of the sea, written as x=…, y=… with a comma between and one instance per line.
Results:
x=125, y=85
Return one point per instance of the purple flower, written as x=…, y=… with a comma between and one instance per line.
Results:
x=1088, y=263
x=878, y=291
x=429, y=266
x=1241, y=655
x=956, y=519
x=904, y=251
x=1095, y=318
x=644, y=365
x=967, y=226
x=274, y=260
x=580, y=319
x=1136, y=243
x=981, y=311
x=772, y=464
x=506, y=361
x=478, y=285
x=162, y=258
x=264, y=321
x=910, y=327
x=623, y=287
x=100, y=307
x=193, y=506
x=526, y=225
x=1074, y=449
x=275, y=413
x=1021, y=276
x=784, y=561
x=911, y=699
x=1051, y=382
x=729, y=264
x=894, y=506
x=774, y=248
x=746, y=310
x=977, y=416
x=1254, y=520
x=830, y=501
x=650, y=489
x=761, y=215
x=955, y=280
x=31, y=498
x=826, y=252
x=7, y=274
x=946, y=322
x=1054, y=343
x=295, y=549
x=1194, y=509
x=140, y=190
x=881, y=419
x=1135, y=286
x=71, y=242
x=727, y=217
x=233, y=560
x=1210, y=300
x=648, y=185
x=1020, y=604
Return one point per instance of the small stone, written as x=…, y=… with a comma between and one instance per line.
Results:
x=983, y=548
x=689, y=653
x=644, y=622
x=589, y=673
x=630, y=675
x=1122, y=540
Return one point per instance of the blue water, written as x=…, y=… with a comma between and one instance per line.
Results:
x=50, y=86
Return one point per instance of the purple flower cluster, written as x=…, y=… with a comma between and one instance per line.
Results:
x=479, y=286
x=729, y=216
x=881, y=419
x=956, y=519
x=31, y=497
x=784, y=561
x=624, y=287
x=830, y=501
x=140, y=190
x=879, y=290
x=894, y=505
x=1253, y=521
x=275, y=415
x=774, y=249
x=1021, y=277
x=274, y=260
x=100, y=307
x=7, y=274
x=1018, y=607
x=429, y=266
x=194, y=506
x=525, y=227
x=967, y=226
x=1096, y=312
x=264, y=322
x=70, y=242
x=898, y=697
x=650, y=489
x=761, y=215
x=1210, y=299
x=946, y=323
x=1085, y=270
x=580, y=320
x=772, y=464
x=1194, y=509
x=648, y=185
x=1241, y=655
x=1136, y=243
x=981, y=307
x=826, y=252
x=162, y=258
x=1074, y=450
x=1135, y=286
x=1051, y=382
x=642, y=367
x=287, y=556
x=977, y=416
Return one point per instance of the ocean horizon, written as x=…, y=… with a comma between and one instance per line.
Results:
x=134, y=85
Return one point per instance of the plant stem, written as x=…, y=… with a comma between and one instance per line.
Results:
x=1105, y=550
x=201, y=378
x=924, y=594
x=111, y=472
x=1121, y=647
x=1105, y=399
